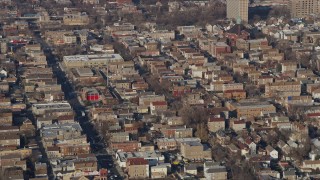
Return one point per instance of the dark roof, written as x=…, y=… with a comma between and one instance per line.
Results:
x=216, y=170
x=137, y=161
x=236, y=29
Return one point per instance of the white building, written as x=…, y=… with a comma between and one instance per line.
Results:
x=160, y=171
x=96, y=60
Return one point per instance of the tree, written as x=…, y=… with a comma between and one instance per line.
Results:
x=280, y=11
x=219, y=153
x=102, y=128
x=193, y=115
x=252, y=91
x=120, y=48
x=202, y=131
x=303, y=150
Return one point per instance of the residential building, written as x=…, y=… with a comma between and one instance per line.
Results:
x=177, y=132
x=237, y=125
x=303, y=8
x=79, y=61
x=137, y=168
x=195, y=151
x=283, y=88
x=126, y=146
x=272, y=152
x=160, y=171
x=238, y=9
x=251, y=108
x=218, y=48
x=213, y=170
x=310, y=164
x=158, y=106
x=190, y=169
x=216, y=124
x=75, y=18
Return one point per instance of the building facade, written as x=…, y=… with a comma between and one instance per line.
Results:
x=238, y=9
x=303, y=8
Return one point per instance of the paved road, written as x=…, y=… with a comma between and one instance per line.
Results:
x=104, y=159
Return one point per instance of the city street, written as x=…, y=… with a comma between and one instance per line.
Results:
x=104, y=159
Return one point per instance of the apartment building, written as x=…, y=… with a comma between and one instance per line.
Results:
x=235, y=94
x=303, y=8
x=251, y=108
x=213, y=170
x=218, y=48
x=177, y=132
x=126, y=146
x=78, y=61
x=195, y=151
x=216, y=124
x=285, y=88
x=254, y=44
x=138, y=168
x=238, y=9
x=76, y=18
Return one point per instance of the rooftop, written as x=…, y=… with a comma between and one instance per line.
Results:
x=94, y=57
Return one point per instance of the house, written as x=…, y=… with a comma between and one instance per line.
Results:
x=292, y=144
x=285, y=149
x=215, y=124
x=272, y=152
x=252, y=146
x=137, y=168
x=314, y=153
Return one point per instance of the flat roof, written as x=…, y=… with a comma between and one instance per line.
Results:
x=94, y=57
x=60, y=105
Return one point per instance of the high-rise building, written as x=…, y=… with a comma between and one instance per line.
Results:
x=303, y=8
x=238, y=9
